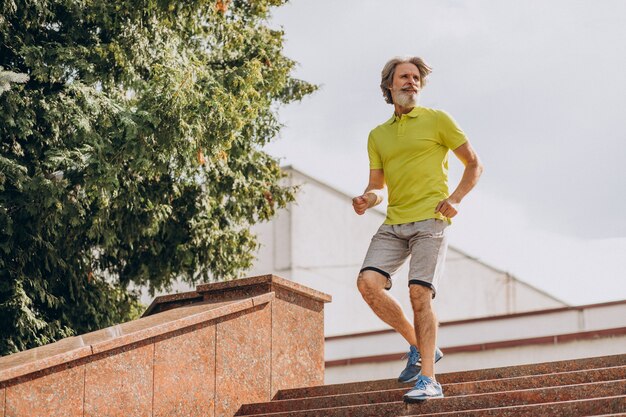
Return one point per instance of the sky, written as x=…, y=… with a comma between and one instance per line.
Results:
x=538, y=87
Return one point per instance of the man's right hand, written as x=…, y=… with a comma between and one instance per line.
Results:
x=361, y=203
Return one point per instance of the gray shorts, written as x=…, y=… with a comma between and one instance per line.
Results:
x=425, y=241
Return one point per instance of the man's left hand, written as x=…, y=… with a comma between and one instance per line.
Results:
x=447, y=208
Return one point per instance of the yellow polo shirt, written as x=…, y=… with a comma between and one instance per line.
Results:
x=412, y=150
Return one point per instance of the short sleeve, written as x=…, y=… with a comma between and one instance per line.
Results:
x=450, y=133
x=374, y=157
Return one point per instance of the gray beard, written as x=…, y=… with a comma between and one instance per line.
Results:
x=406, y=100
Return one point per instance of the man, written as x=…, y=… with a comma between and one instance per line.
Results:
x=409, y=153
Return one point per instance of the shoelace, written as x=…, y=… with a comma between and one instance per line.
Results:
x=420, y=383
x=413, y=357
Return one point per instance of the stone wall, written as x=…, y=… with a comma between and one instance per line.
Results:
x=200, y=359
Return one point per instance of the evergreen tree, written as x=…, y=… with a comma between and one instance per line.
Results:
x=132, y=154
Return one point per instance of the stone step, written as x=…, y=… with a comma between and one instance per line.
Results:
x=455, y=377
x=591, y=407
x=534, y=381
x=463, y=402
x=612, y=415
x=450, y=390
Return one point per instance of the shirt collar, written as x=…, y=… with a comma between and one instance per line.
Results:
x=413, y=114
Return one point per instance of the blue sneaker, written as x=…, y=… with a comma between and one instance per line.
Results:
x=414, y=364
x=424, y=389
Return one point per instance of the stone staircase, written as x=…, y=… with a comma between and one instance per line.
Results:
x=583, y=387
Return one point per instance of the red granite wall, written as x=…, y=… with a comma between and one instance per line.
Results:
x=296, y=330
x=200, y=360
x=54, y=392
x=182, y=366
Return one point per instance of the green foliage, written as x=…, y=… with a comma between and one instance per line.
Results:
x=132, y=155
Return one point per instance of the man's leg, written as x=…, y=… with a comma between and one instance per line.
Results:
x=426, y=386
x=371, y=284
x=425, y=326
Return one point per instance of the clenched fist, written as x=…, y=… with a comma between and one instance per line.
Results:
x=361, y=203
x=447, y=208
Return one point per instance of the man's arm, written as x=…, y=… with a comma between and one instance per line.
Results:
x=370, y=197
x=473, y=170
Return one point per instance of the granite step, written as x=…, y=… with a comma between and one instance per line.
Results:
x=577, y=408
x=456, y=377
x=459, y=403
x=450, y=390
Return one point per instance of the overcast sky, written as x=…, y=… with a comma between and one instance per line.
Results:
x=538, y=86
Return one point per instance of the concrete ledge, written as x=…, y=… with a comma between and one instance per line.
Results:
x=180, y=298
x=552, y=340
x=544, y=327
x=264, y=279
x=236, y=289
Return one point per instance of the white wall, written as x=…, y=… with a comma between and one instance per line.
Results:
x=480, y=332
x=483, y=359
x=484, y=291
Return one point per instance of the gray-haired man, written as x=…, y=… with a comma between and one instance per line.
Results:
x=409, y=153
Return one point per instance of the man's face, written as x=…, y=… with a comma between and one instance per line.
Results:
x=406, y=85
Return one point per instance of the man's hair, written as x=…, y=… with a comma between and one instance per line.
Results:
x=386, y=76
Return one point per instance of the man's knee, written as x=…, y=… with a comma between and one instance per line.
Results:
x=370, y=282
x=421, y=297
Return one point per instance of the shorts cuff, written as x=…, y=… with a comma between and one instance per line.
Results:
x=423, y=284
x=380, y=271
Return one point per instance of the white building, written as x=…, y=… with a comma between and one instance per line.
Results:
x=488, y=318
x=320, y=242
